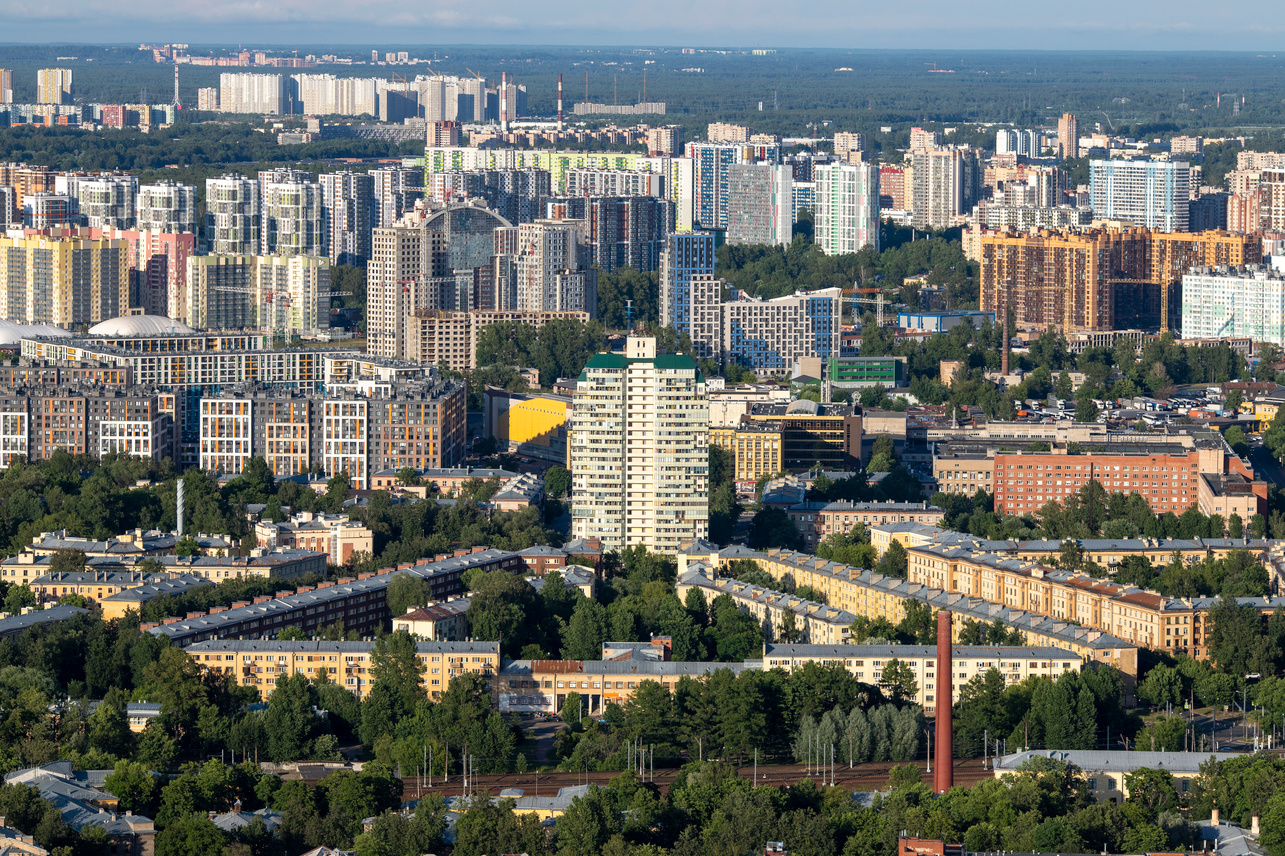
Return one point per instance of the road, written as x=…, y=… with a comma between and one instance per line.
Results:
x=865, y=777
x=1265, y=466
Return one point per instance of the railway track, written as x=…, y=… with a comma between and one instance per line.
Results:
x=864, y=777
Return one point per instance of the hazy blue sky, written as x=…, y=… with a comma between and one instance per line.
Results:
x=1132, y=24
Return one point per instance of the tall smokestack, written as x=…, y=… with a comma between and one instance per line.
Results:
x=1003, y=369
x=504, y=102
x=944, y=776
x=559, y=101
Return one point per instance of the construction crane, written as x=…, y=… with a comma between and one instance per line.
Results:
x=475, y=74
x=850, y=296
x=273, y=297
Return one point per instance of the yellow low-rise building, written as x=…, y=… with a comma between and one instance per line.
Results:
x=259, y=663
x=906, y=534
x=866, y=663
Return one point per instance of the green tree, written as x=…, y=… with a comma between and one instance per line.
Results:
x=109, y=730
x=898, y=680
x=583, y=636
x=132, y=784
x=557, y=482
x=290, y=721
x=1086, y=410
x=193, y=833
x=406, y=592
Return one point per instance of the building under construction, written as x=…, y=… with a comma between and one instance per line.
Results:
x=1100, y=279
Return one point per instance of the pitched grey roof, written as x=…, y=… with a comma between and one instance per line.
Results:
x=18, y=623
x=1096, y=760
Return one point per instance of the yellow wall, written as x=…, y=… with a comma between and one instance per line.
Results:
x=532, y=421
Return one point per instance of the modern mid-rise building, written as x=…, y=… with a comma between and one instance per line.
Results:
x=105, y=201
x=1220, y=303
x=639, y=450
x=233, y=216
x=846, y=216
x=1154, y=194
x=293, y=214
x=350, y=213
x=760, y=204
x=396, y=189
x=53, y=86
x=770, y=336
x=167, y=207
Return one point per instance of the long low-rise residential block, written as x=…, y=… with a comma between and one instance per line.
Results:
x=12, y=625
x=542, y=686
x=775, y=611
x=283, y=564
x=132, y=599
x=1106, y=771
x=873, y=595
x=446, y=337
x=359, y=605
x=260, y=663
x=1144, y=618
x=866, y=663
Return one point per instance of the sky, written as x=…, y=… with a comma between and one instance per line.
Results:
x=931, y=24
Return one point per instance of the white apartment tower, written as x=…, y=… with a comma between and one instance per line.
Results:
x=167, y=207
x=402, y=256
x=293, y=218
x=106, y=200
x=847, y=207
x=253, y=93
x=760, y=204
x=233, y=218
x=639, y=450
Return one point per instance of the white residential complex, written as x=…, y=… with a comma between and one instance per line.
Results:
x=279, y=293
x=233, y=218
x=847, y=207
x=253, y=93
x=1018, y=143
x=327, y=95
x=1221, y=303
x=1154, y=194
x=639, y=450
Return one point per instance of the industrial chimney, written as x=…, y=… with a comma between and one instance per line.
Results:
x=944, y=775
x=559, y=101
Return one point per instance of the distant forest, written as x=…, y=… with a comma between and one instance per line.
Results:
x=1137, y=93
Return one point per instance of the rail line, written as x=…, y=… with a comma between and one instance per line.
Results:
x=863, y=777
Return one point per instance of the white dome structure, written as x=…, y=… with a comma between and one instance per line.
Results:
x=11, y=333
x=140, y=325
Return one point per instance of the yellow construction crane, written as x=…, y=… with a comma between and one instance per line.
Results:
x=850, y=296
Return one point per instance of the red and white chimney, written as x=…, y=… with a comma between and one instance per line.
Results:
x=559, y=101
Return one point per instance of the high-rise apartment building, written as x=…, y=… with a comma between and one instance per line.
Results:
x=896, y=187
x=1025, y=143
x=1068, y=136
x=167, y=207
x=63, y=282
x=105, y=201
x=6, y=86
x=921, y=139
x=517, y=195
x=293, y=214
x=847, y=143
x=396, y=189
x=349, y=200
x=53, y=86
x=846, y=216
x=1222, y=303
x=1154, y=194
x=402, y=256
x=638, y=448
x=50, y=210
x=613, y=182
x=551, y=274
x=253, y=93
x=946, y=185
x=760, y=204
x=207, y=98
x=687, y=255
x=327, y=95
x=710, y=164
x=627, y=231
x=1102, y=279
x=724, y=132
x=665, y=141
x=277, y=293
x=233, y=216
